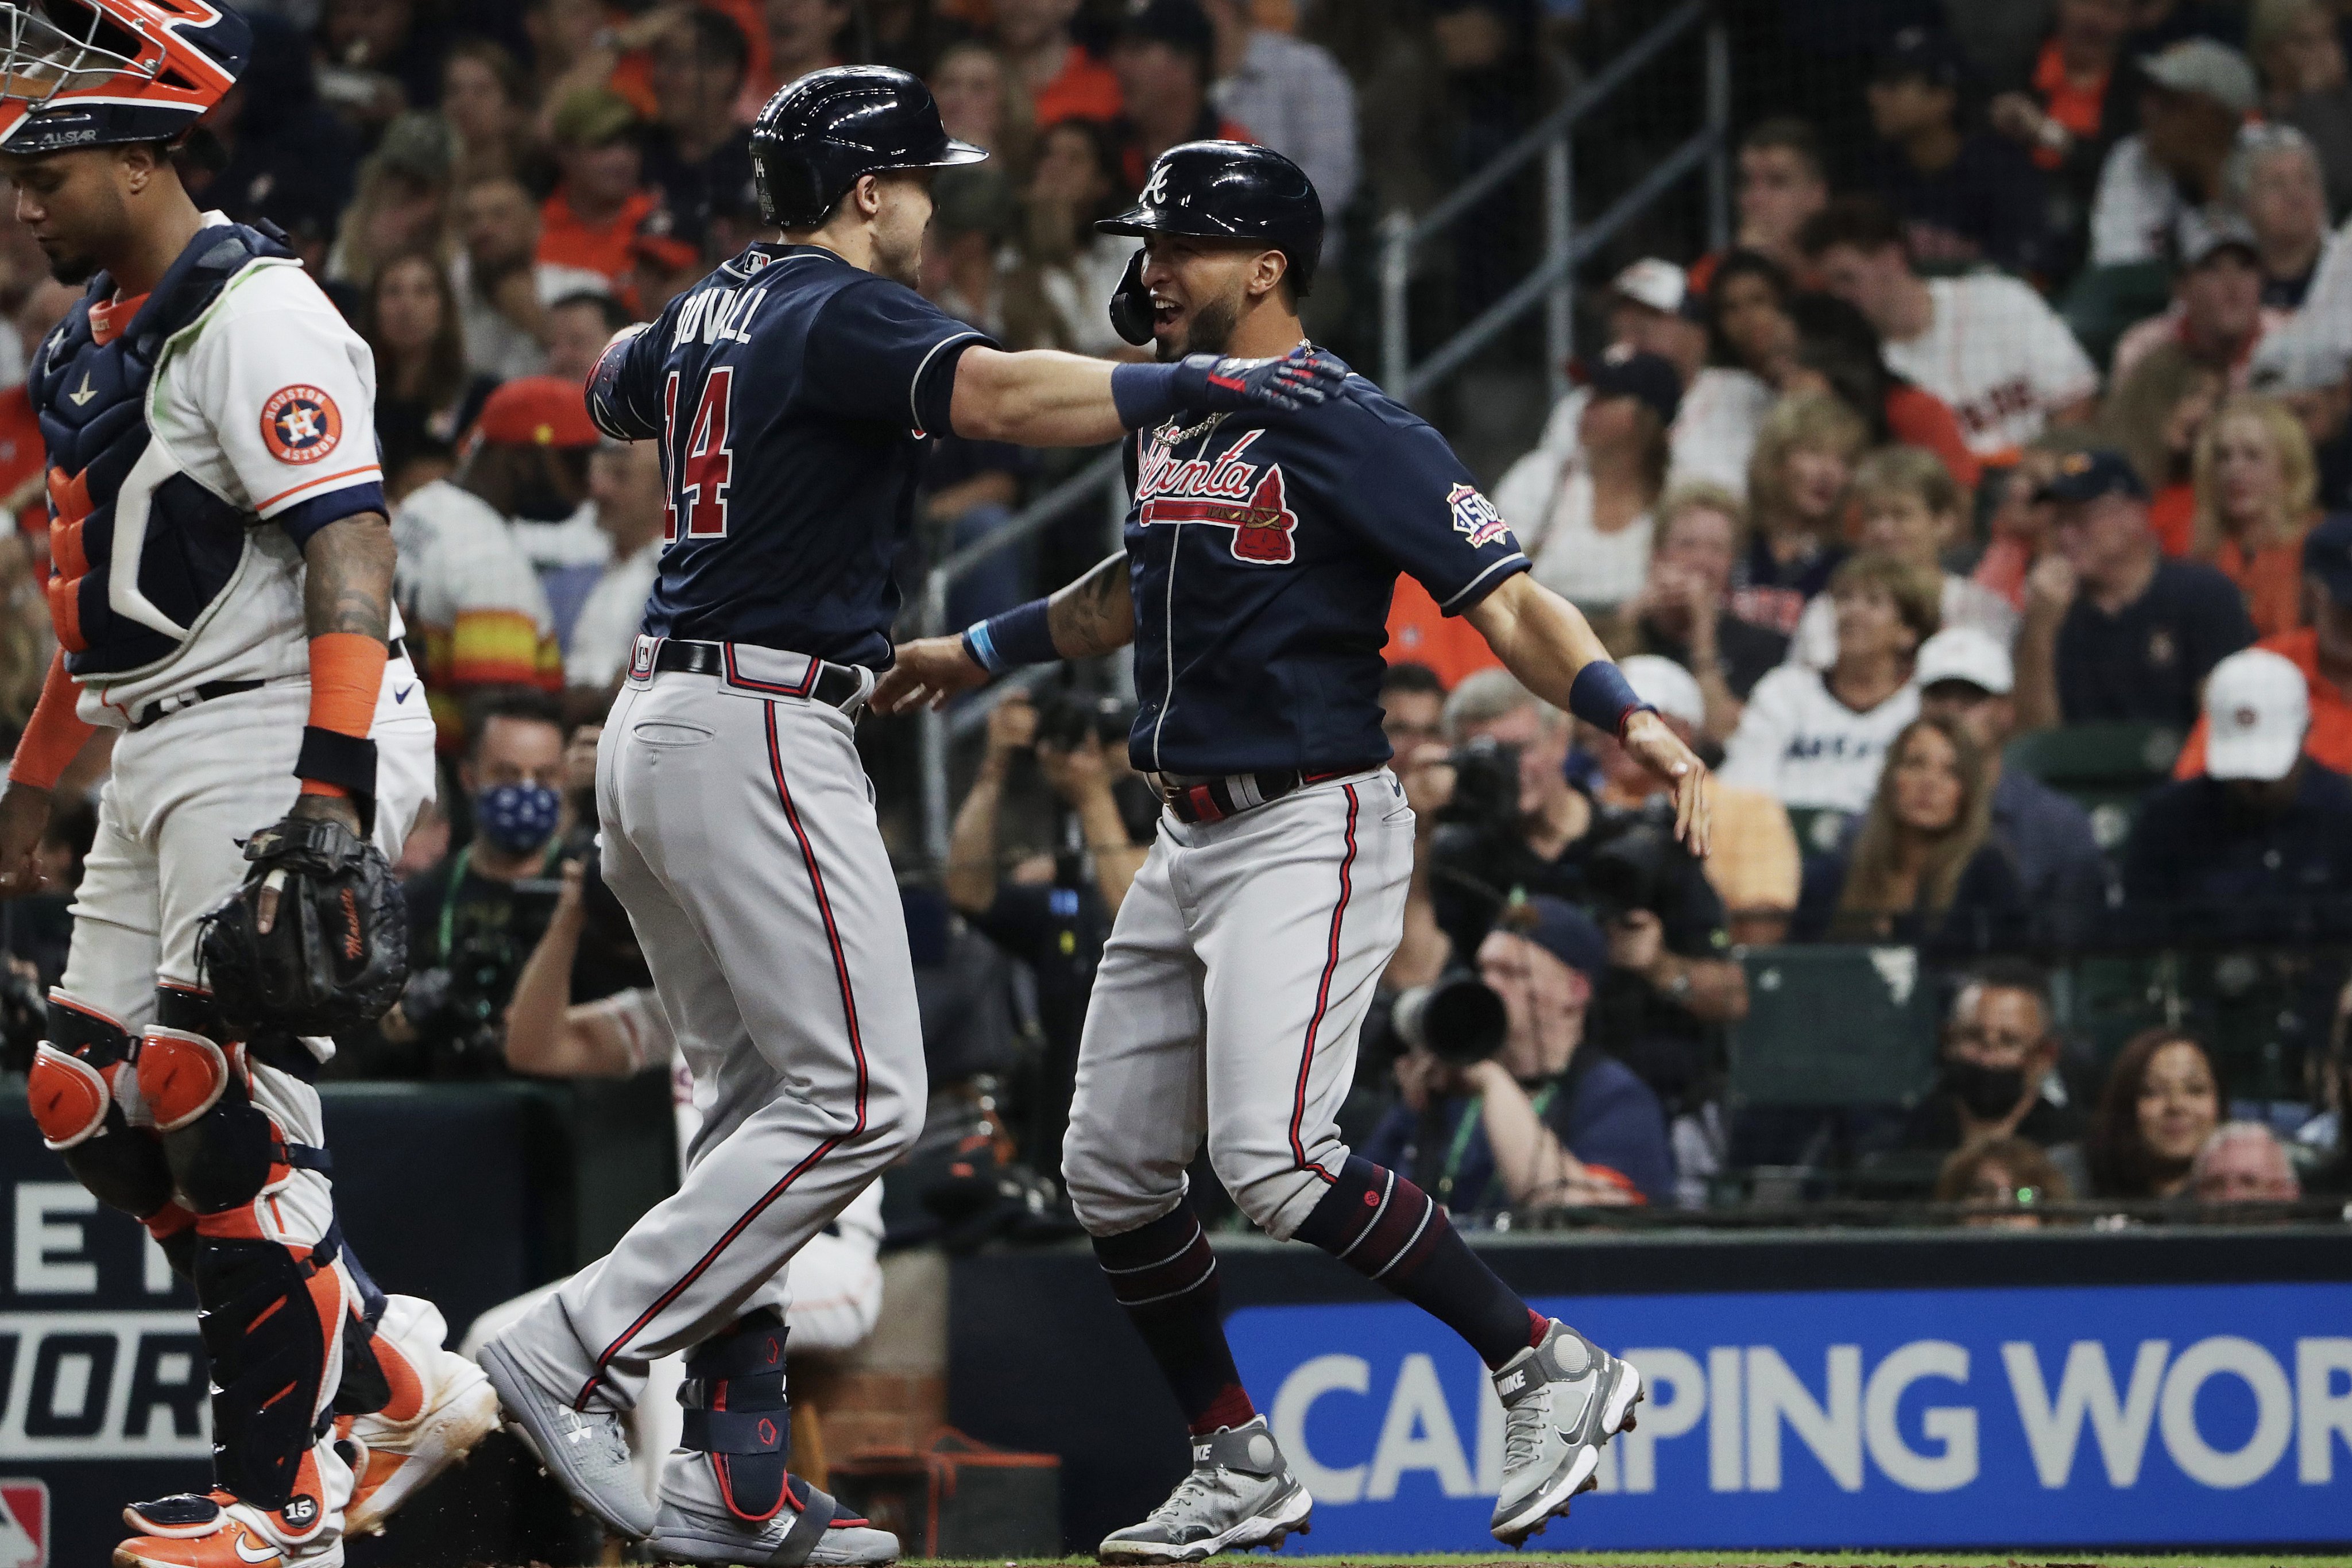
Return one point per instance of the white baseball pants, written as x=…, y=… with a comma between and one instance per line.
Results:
x=1228, y=1002
x=738, y=832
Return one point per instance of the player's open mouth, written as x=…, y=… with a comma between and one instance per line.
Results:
x=1165, y=312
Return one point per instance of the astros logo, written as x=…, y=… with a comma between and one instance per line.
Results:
x=300, y=424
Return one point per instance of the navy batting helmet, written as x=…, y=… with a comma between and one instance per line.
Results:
x=1231, y=190
x=818, y=134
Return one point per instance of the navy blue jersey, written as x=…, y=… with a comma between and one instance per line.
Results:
x=1263, y=548
x=792, y=392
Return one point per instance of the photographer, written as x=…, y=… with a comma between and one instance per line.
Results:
x=1499, y=814
x=1051, y=912
x=474, y=918
x=1499, y=1105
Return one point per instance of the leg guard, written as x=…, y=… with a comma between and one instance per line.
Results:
x=222, y=1150
x=269, y=1321
x=736, y=1414
x=72, y=1089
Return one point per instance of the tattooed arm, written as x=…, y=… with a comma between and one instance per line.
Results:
x=1091, y=617
x=1096, y=614
x=347, y=587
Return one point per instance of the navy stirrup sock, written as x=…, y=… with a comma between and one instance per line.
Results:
x=1392, y=1232
x=1165, y=1274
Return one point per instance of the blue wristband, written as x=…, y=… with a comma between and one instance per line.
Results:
x=1019, y=636
x=1144, y=395
x=1602, y=696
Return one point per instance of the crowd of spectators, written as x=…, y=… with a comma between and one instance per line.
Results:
x=2026, y=412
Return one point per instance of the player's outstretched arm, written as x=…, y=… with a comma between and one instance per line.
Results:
x=1091, y=617
x=1041, y=397
x=1546, y=642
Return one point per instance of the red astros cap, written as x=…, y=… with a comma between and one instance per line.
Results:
x=535, y=411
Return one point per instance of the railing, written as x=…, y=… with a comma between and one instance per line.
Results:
x=1552, y=284
x=1101, y=480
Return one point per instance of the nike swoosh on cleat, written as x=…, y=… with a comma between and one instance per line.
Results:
x=268, y=1553
x=401, y=695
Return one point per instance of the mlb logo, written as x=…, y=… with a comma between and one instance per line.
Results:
x=24, y=1524
x=641, y=658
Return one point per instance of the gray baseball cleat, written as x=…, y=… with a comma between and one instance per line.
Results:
x=1240, y=1494
x=696, y=1526
x=587, y=1450
x=1562, y=1401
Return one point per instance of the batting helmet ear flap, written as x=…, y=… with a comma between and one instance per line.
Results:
x=1131, y=303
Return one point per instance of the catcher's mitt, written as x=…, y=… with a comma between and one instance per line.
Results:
x=337, y=954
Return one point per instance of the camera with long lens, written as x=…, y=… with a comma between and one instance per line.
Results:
x=1456, y=1018
x=1477, y=838
x=1628, y=870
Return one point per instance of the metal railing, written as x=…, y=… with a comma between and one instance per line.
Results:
x=1552, y=284
x=1100, y=481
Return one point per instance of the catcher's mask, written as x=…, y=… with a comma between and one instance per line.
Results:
x=99, y=73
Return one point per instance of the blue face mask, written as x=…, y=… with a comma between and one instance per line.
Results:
x=515, y=819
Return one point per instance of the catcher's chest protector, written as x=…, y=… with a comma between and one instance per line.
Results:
x=92, y=398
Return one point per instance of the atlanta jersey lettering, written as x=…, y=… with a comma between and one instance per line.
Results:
x=1264, y=551
x=795, y=391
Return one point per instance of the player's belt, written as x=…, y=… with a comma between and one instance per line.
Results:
x=165, y=707
x=834, y=685
x=1214, y=799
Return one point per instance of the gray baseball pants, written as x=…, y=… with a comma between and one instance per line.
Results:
x=738, y=832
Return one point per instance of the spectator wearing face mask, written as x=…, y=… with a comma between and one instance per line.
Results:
x=474, y=919
x=1999, y=1077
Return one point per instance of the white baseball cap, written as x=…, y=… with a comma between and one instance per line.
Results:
x=1967, y=653
x=2257, y=707
x=1666, y=686
x=1660, y=285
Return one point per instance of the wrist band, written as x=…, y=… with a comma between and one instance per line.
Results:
x=1603, y=698
x=1144, y=395
x=1021, y=635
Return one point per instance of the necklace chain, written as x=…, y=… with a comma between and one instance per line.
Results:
x=1178, y=437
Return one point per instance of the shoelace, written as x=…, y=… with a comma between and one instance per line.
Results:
x=1523, y=1428
x=1196, y=1487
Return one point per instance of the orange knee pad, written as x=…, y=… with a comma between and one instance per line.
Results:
x=180, y=1076
x=68, y=1095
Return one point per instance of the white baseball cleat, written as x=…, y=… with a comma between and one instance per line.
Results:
x=392, y=1462
x=1562, y=1401
x=1240, y=1494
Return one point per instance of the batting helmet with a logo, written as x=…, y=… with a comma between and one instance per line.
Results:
x=818, y=134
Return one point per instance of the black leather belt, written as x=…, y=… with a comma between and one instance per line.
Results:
x=1214, y=799
x=178, y=702
x=836, y=685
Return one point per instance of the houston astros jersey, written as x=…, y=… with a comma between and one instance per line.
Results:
x=795, y=391
x=198, y=437
x=1263, y=548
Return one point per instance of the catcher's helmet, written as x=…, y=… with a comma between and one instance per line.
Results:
x=95, y=73
x=1231, y=190
x=818, y=134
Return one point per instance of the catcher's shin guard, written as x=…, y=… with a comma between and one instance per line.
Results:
x=223, y=1150
x=272, y=1318
x=736, y=1412
x=76, y=1103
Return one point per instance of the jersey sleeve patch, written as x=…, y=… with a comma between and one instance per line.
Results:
x=1475, y=516
x=300, y=423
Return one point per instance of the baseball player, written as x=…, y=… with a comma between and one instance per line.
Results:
x=220, y=588
x=790, y=390
x=1261, y=555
